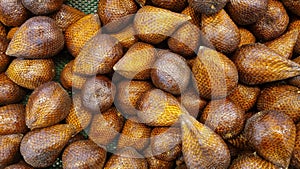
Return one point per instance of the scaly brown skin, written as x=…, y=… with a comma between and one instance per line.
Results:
x=10, y=146
x=13, y=13
x=207, y=7
x=42, y=7
x=4, y=59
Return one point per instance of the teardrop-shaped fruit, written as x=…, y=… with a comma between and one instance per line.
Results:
x=240, y=141
x=41, y=147
x=66, y=16
x=42, y=7
x=98, y=56
x=195, y=17
x=80, y=32
x=220, y=32
x=257, y=64
x=284, y=44
x=13, y=13
x=10, y=146
x=84, y=154
x=137, y=61
x=215, y=75
x=173, y=5
x=10, y=91
x=283, y=98
x=11, y=33
x=207, y=7
x=155, y=163
x=134, y=134
x=47, y=105
x=202, y=147
x=292, y=5
x=245, y=12
x=19, y=165
x=153, y=25
x=171, y=73
x=273, y=23
x=4, y=59
x=295, y=81
x=38, y=37
x=166, y=143
x=127, y=36
x=246, y=37
x=98, y=94
x=31, y=73
x=116, y=14
x=125, y=158
x=272, y=134
x=12, y=119
x=244, y=96
x=129, y=92
x=106, y=127
x=295, y=161
x=251, y=161
x=69, y=79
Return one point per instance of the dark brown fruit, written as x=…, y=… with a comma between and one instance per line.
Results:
x=195, y=17
x=84, y=154
x=292, y=5
x=12, y=119
x=173, y=5
x=10, y=92
x=31, y=73
x=41, y=147
x=10, y=146
x=295, y=161
x=39, y=37
x=215, y=75
x=80, y=32
x=126, y=158
x=245, y=12
x=19, y=165
x=257, y=64
x=47, y=105
x=283, y=98
x=155, y=163
x=207, y=7
x=69, y=79
x=13, y=13
x=11, y=33
x=2, y=30
x=267, y=132
x=134, y=134
x=251, y=161
x=246, y=37
x=98, y=94
x=98, y=56
x=220, y=32
x=106, y=127
x=42, y=7
x=127, y=37
x=202, y=147
x=166, y=143
x=273, y=23
x=4, y=59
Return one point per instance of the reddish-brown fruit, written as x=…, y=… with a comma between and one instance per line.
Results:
x=267, y=132
x=195, y=17
x=69, y=79
x=257, y=64
x=75, y=138
x=240, y=141
x=10, y=91
x=13, y=13
x=10, y=146
x=84, y=154
x=41, y=147
x=19, y=165
x=154, y=25
x=295, y=80
x=13, y=119
x=207, y=7
x=251, y=161
x=80, y=32
x=292, y=26
x=215, y=75
x=39, y=37
x=2, y=30
x=106, y=127
x=246, y=37
x=295, y=161
x=12, y=32
x=173, y=5
x=283, y=98
x=220, y=32
x=155, y=163
x=98, y=56
x=273, y=23
x=292, y=5
x=4, y=59
x=202, y=147
x=127, y=36
x=42, y=7
x=47, y=105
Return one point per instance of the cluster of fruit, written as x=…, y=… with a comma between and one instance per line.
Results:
x=172, y=83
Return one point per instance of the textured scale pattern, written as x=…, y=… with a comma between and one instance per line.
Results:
x=195, y=18
x=127, y=36
x=13, y=13
x=240, y=142
x=87, y=6
x=4, y=59
x=155, y=163
x=295, y=161
x=295, y=80
x=42, y=7
x=251, y=161
x=292, y=26
x=246, y=37
x=208, y=7
x=2, y=30
x=10, y=146
x=19, y=165
x=12, y=32
x=173, y=5
x=292, y=5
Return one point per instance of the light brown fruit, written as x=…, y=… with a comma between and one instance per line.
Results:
x=106, y=127
x=11, y=33
x=246, y=12
x=80, y=32
x=215, y=75
x=257, y=64
x=84, y=154
x=41, y=147
x=267, y=132
x=98, y=56
x=240, y=141
x=19, y=165
x=248, y=160
x=13, y=13
x=10, y=146
x=283, y=98
x=173, y=5
x=42, y=7
x=136, y=62
x=154, y=163
x=127, y=37
x=195, y=17
x=201, y=147
x=246, y=37
x=295, y=161
x=220, y=32
x=39, y=37
x=292, y=5
x=273, y=23
x=295, y=81
x=47, y=105
x=208, y=7
x=10, y=92
x=153, y=25
x=13, y=119
x=4, y=59
x=292, y=26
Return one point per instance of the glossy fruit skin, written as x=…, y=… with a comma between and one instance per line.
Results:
x=10, y=146
x=207, y=7
x=251, y=161
x=155, y=163
x=292, y=5
x=246, y=37
x=13, y=13
x=173, y=5
x=42, y=7
x=4, y=59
